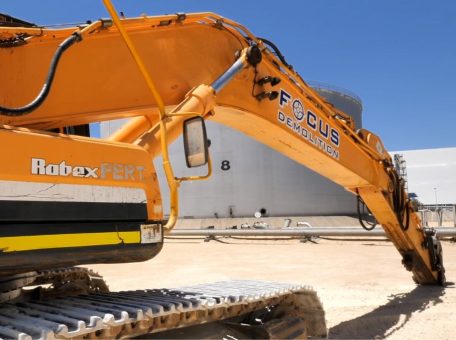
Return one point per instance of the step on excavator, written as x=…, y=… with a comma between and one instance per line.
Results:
x=67, y=199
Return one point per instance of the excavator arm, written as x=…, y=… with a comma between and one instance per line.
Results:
x=206, y=65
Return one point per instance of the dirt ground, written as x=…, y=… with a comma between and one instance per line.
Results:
x=365, y=290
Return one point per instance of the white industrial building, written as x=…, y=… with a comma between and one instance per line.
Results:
x=431, y=174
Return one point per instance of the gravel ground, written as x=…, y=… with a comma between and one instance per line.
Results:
x=365, y=290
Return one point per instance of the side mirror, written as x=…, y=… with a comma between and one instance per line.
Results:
x=195, y=142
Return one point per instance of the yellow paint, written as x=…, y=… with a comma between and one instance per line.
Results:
x=22, y=243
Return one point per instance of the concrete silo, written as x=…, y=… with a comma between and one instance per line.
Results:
x=250, y=177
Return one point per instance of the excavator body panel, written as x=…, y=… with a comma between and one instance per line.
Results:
x=70, y=200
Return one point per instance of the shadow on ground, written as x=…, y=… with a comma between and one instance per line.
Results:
x=390, y=317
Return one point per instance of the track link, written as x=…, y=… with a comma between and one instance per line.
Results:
x=133, y=313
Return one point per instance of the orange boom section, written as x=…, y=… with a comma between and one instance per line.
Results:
x=96, y=78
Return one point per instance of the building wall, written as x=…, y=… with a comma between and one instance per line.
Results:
x=431, y=174
x=248, y=176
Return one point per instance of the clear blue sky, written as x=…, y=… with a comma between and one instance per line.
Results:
x=398, y=56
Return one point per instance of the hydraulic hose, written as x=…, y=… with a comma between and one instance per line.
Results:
x=42, y=95
x=360, y=203
x=400, y=203
x=276, y=51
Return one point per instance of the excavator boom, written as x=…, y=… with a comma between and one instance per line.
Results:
x=70, y=200
x=98, y=80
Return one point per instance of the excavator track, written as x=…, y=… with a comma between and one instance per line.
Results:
x=60, y=282
x=100, y=315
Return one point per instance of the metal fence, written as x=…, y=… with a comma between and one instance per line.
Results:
x=437, y=215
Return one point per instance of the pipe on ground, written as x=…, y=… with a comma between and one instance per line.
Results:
x=299, y=232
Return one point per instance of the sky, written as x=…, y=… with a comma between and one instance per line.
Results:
x=397, y=55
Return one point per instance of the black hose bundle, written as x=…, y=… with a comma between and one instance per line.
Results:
x=20, y=111
x=400, y=202
x=276, y=51
x=361, y=209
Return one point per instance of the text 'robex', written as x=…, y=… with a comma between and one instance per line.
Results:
x=113, y=171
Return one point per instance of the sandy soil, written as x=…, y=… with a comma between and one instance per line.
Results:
x=365, y=290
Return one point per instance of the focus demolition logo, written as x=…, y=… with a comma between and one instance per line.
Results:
x=308, y=125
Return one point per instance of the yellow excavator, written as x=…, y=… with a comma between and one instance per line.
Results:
x=67, y=199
